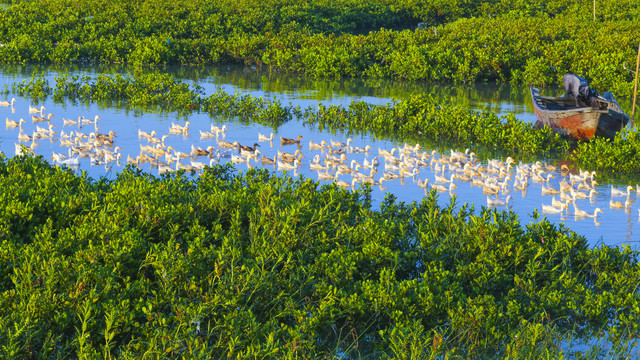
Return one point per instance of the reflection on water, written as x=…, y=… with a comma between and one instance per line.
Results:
x=497, y=98
x=614, y=226
x=500, y=98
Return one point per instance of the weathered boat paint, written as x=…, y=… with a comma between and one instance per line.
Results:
x=579, y=123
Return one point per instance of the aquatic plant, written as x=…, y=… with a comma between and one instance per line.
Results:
x=620, y=155
x=256, y=265
x=420, y=117
x=416, y=118
x=446, y=41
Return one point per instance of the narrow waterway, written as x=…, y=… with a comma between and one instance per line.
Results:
x=613, y=226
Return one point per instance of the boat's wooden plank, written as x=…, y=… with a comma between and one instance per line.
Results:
x=579, y=123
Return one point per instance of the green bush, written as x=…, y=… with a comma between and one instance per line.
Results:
x=458, y=41
x=255, y=265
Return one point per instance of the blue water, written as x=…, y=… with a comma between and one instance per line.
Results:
x=612, y=227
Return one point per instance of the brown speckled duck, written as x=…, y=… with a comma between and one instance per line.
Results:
x=287, y=141
x=106, y=138
x=268, y=161
x=248, y=148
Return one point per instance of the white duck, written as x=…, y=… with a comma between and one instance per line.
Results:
x=554, y=210
x=262, y=138
x=497, y=201
x=7, y=103
x=618, y=192
x=34, y=110
x=582, y=213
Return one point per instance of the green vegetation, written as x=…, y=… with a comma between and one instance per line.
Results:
x=250, y=265
x=230, y=265
x=458, y=41
x=415, y=119
x=306, y=88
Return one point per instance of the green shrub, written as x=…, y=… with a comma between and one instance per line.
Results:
x=256, y=265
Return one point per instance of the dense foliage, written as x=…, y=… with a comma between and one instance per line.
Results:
x=229, y=265
x=457, y=41
x=254, y=265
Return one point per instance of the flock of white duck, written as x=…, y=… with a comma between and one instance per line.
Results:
x=495, y=178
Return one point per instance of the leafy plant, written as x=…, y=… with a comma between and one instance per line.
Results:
x=255, y=265
x=442, y=41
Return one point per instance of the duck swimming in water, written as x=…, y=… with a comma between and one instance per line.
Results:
x=287, y=141
x=582, y=213
x=262, y=138
x=248, y=148
x=7, y=103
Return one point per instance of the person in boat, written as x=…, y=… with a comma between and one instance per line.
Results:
x=579, y=88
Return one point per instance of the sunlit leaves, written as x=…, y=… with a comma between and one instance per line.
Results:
x=457, y=41
x=256, y=265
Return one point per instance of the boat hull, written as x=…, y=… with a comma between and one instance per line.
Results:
x=579, y=123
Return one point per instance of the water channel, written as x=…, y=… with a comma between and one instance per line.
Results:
x=612, y=227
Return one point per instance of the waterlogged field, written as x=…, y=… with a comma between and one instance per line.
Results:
x=445, y=41
x=614, y=226
x=102, y=261
x=272, y=267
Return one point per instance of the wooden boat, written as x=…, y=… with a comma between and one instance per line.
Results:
x=605, y=118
